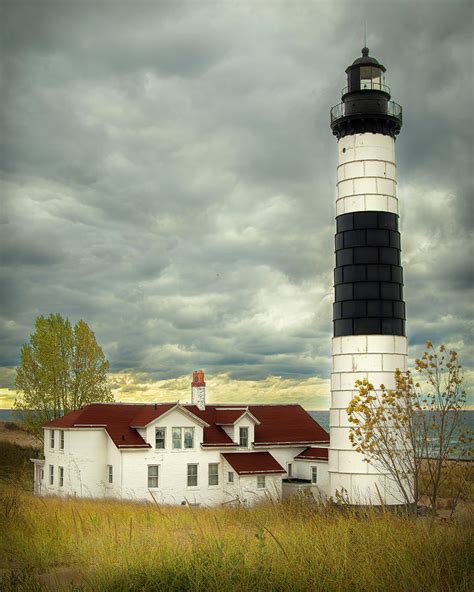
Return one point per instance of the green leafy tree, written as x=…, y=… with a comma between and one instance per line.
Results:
x=415, y=432
x=62, y=368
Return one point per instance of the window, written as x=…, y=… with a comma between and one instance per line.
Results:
x=177, y=438
x=61, y=440
x=188, y=437
x=51, y=439
x=110, y=473
x=183, y=435
x=213, y=473
x=51, y=474
x=314, y=475
x=371, y=77
x=260, y=481
x=192, y=475
x=61, y=476
x=152, y=476
x=230, y=477
x=244, y=437
x=160, y=434
x=290, y=470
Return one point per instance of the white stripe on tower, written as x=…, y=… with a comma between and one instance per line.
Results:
x=366, y=174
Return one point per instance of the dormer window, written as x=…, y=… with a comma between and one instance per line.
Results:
x=243, y=437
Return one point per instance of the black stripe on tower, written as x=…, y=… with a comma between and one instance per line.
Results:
x=368, y=277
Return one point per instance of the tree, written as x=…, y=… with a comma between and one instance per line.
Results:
x=61, y=369
x=415, y=433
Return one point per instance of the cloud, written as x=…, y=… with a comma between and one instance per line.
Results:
x=168, y=174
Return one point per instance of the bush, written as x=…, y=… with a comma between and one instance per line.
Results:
x=11, y=425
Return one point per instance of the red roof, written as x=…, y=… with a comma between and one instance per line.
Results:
x=114, y=417
x=228, y=416
x=314, y=454
x=279, y=424
x=248, y=463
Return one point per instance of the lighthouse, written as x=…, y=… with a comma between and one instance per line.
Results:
x=369, y=339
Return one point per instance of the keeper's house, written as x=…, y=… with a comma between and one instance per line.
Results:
x=174, y=453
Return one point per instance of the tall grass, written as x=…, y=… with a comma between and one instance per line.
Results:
x=292, y=546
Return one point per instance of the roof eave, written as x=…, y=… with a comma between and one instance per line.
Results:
x=300, y=443
x=261, y=472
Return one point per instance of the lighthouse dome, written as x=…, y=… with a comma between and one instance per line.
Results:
x=366, y=60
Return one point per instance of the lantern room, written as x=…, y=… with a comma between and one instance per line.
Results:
x=365, y=73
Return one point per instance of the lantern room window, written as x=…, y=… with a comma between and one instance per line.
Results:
x=371, y=78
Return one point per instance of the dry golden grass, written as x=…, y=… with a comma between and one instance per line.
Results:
x=106, y=545
x=297, y=546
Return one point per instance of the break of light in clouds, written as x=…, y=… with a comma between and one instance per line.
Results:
x=168, y=172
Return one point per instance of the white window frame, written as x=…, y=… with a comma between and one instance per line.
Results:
x=173, y=432
x=61, y=476
x=51, y=439
x=214, y=476
x=245, y=438
x=153, y=476
x=188, y=475
x=61, y=440
x=162, y=429
x=314, y=475
x=261, y=482
x=110, y=474
x=192, y=438
x=182, y=437
x=290, y=470
x=51, y=474
x=230, y=476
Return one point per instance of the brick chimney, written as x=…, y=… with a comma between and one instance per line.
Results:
x=198, y=390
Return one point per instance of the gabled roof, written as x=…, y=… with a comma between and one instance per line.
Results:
x=147, y=415
x=250, y=463
x=313, y=454
x=278, y=424
x=229, y=417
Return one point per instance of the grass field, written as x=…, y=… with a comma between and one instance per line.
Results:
x=90, y=545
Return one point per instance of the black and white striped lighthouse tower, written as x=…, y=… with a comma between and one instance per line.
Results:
x=369, y=312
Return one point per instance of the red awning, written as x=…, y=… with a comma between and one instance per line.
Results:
x=249, y=463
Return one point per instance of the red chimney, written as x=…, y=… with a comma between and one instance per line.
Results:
x=198, y=378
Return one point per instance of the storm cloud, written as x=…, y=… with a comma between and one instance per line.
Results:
x=168, y=175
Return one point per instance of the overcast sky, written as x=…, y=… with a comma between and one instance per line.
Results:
x=169, y=177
